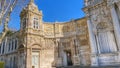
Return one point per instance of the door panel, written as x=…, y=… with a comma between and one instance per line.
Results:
x=35, y=59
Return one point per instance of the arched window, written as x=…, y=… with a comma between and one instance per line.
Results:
x=24, y=23
x=36, y=23
x=16, y=43
x=3, y=47
x=12, y=44
x=0, y=48
x=9, y=46
x=14, y=62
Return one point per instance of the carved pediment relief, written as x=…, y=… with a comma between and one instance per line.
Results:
x=103, y=26
x=36, y=46
x=101, y=14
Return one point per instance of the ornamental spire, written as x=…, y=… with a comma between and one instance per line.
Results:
x=32, y=1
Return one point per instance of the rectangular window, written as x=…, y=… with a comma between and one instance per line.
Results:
x=24, y=23
x=9, y=47
x=36, y=23
x=3, y=47
x=12, y=44
x=16, y=43
x=0, y=49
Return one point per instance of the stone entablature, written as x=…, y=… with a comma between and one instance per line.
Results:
x=76, y=27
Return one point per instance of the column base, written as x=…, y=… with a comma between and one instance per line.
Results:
x=76, y=60
x=94, y=60
x=107, y=59
x=57, y=62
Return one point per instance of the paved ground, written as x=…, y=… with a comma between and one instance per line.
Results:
x=90, y=67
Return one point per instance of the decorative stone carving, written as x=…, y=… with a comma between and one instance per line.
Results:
x=76, y=60
x=43, y=40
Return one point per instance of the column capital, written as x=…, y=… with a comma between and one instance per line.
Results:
x=111, y=6
x=88, y=18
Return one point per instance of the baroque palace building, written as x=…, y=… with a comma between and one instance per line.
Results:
x=89, y=41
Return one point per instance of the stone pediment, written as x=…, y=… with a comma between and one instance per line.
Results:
x=36, y=46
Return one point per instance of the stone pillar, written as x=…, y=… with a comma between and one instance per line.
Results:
x=28, y=59
x=76, y=54
x=116, y=25
x=92, y=43
x=92, y=37
x=97, y=39
x=58, y=59
x=10, y=45
x=14, y=45
x=5, y=45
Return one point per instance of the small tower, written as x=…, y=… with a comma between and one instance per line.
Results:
x=31, y=18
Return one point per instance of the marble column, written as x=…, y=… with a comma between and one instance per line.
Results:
x=13, y=44
x=116, y=25
x=92, y=37
x=5, y=46
x=94, y=61
x=97, y=39
x=10, y=45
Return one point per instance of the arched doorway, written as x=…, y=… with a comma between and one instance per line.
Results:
x=67, y=58
x=35, y=57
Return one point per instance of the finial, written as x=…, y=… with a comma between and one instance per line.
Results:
x=32, y=1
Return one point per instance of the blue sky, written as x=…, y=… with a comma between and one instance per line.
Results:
x=53, y=10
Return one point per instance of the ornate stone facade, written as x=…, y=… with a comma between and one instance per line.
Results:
x=104, y=31
x=41, y=44
x=92, y=40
